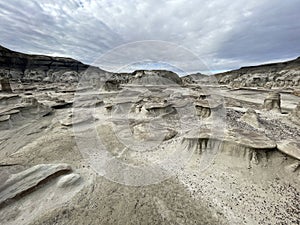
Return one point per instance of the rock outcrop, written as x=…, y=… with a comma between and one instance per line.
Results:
x=296, y=93
x=155, y=77
x=206, y=108
x=282, y=74
x=251, y=118
x=5, y=85
x=235, y=142
x=195, y=78
x=27, y=180
x=290, y=147
x=19, y=66
x=273, y=102
x=157, y=108
x=295, y=114
x=24, y=108
x=111, y=85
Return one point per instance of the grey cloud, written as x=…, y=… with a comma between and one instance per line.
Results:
x=224, y=34
x=272, y=32
x=30, y=27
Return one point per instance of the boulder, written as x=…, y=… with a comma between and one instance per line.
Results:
x=251, y=118
x=68, y=180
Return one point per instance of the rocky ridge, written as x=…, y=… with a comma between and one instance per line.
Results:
x=20, y=66
x=273, y=75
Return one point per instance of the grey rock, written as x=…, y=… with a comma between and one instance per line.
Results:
x=206, y=108
x=290, y=147
x=155, y=77
x=295, y=114
x=251, y=118
x=24, y=67
x=269, y=75
x=238, y=137
x=111, y=85
x=273, y=102
x=5, y=85
x=68, y=180
x=19, y=183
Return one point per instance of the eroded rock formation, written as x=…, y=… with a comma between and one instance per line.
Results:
x=273, y=102
x=27, y=180
x=251, y=118
x=248, y=145
x=286, y=74
x=290, y=147
x=155, y=77
x=206, y=108
x=37, y=67
x=295, y=114
x=148, y=118
x=5, y=85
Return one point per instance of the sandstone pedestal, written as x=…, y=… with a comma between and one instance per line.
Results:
x=273, y=102
x=5, y=85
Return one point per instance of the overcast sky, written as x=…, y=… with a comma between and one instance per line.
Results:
x=224, y=34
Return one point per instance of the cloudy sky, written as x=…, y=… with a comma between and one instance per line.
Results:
x=223, y=34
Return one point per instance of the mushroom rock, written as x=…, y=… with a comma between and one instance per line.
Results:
x=206, y=108
x=273, y=102
x=251, y=118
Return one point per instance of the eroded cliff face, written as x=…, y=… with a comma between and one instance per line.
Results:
x=19, y=66
x=284, y=74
